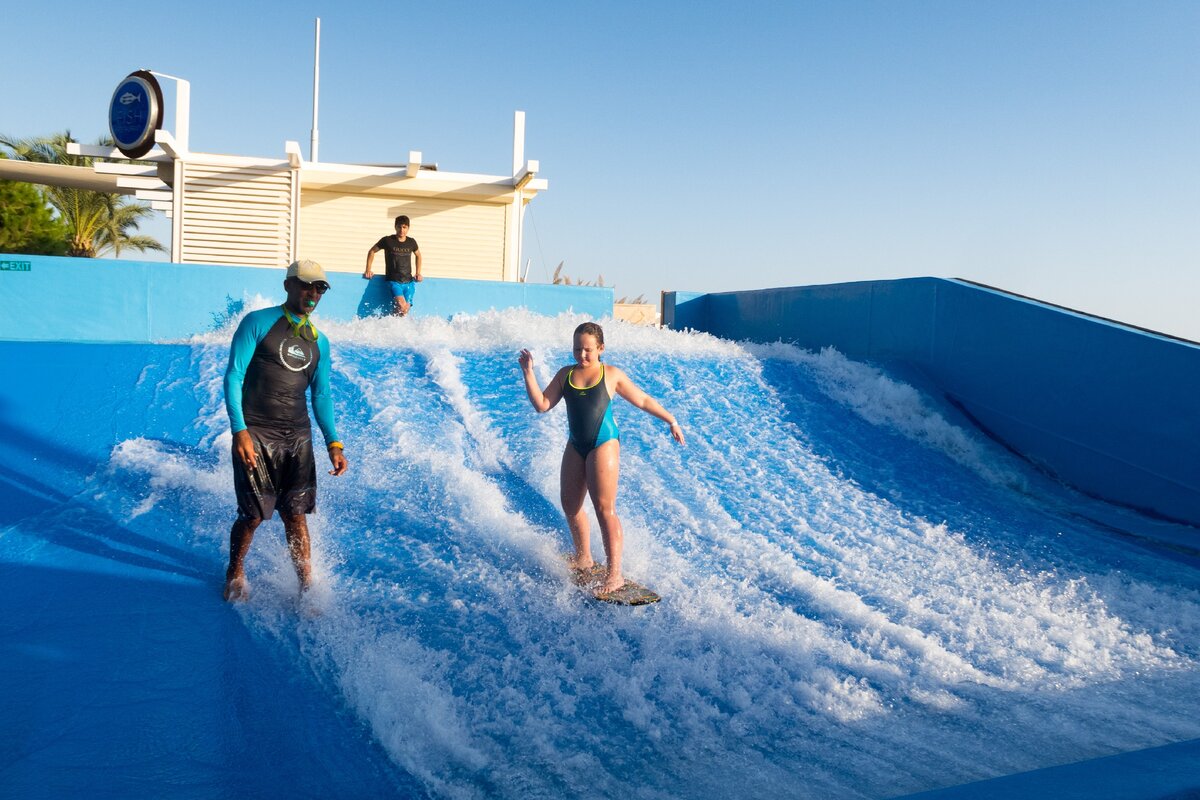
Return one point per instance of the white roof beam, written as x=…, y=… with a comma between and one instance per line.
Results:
x=294, y=155
x=58, y=175
x=154, y=195
x=100, y=151
x=113, y=168
x=169, y=146
x=527, y=174
x=132, y=182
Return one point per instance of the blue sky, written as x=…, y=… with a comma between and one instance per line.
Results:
x=1049, y=148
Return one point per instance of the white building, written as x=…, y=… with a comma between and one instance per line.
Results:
x=265, y=212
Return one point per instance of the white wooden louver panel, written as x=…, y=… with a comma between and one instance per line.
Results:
x=237, y=215
x=458, y=240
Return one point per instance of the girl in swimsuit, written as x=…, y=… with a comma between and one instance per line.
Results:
x=591, y=460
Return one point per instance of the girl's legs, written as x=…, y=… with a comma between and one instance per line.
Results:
x=573, y=489
x=603, y=468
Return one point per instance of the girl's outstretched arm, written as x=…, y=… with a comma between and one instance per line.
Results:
x=630, y=391
x=539, y=399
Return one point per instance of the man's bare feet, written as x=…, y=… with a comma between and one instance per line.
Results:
x=237, y=589
x=308, y=604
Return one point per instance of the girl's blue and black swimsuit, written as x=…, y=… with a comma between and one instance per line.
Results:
x=589, y=414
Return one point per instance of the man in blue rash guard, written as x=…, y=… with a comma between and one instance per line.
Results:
x=276, y=355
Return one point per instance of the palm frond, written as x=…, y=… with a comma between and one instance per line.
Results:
x=97, y=221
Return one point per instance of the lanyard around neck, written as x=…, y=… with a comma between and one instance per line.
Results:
x=298, y=325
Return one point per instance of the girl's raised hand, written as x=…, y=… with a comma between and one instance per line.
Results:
x=526, y=359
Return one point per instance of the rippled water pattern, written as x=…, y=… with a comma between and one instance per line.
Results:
x=863, y=596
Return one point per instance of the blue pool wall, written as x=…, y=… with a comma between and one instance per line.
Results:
x=49, y=298
x=1108, y=408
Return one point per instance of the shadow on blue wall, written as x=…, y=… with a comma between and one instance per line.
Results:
x=376, y=300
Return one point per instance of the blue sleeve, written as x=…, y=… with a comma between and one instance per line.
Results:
x=322, y=399
x=253, y=327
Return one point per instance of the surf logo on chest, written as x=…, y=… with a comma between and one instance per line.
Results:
x=295, y=354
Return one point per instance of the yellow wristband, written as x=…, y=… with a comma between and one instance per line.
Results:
x=338, y=445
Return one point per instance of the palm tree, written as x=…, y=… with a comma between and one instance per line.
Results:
x=97, y=221
x=122, y=218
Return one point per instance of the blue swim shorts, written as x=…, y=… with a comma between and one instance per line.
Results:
x=405, y=290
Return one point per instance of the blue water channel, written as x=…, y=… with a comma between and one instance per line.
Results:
x=863, y=596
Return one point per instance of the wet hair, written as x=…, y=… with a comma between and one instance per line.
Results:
x=592, y=329
x=402, y=220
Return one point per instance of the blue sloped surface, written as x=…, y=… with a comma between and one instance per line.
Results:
x=863, y=597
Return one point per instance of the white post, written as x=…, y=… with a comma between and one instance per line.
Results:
x=178, y=150
x=512, y=270
x=183, y=106
x=177, y=214
x=312, y=153
x=518, y=142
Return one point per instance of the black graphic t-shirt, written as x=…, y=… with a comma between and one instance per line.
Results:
x=399, y=257
x=277, y=378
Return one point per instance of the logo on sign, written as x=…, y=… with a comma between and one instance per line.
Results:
x=135, y=113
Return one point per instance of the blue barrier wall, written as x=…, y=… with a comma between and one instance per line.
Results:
x=1157, y=773
x=1108, y=408
x=71, y=299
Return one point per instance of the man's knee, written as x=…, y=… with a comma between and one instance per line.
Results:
x=247, y=523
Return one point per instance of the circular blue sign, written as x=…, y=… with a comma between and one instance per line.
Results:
x=135, y=113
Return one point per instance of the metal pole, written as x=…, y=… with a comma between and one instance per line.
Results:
x=312, y=153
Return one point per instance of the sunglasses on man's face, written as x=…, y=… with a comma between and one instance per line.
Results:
x=321, y=287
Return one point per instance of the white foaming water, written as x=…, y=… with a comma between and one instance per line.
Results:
x=883, y=401
x=816, y=639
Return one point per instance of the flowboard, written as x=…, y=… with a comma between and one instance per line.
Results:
x=631, y=594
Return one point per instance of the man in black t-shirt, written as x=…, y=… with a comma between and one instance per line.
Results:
x=400, y=255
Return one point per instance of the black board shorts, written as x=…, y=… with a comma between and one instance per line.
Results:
x=284, y=478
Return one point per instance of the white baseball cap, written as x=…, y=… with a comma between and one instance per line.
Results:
x=307, y=270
